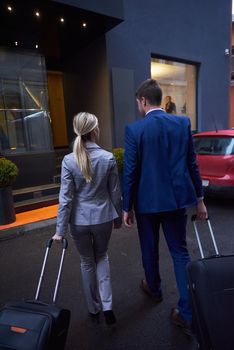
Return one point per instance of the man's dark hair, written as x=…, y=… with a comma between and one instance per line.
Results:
x=151, y=91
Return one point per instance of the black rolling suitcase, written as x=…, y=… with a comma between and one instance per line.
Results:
x=211, y=285
x=32, y=324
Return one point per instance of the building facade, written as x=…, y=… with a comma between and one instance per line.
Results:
x=231, y=115
x=71, y=56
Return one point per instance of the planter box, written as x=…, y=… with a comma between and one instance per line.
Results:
x=7, y=210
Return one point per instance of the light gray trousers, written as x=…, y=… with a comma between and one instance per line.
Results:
x=92, y=243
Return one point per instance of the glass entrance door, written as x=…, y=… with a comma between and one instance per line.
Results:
x=24, y=116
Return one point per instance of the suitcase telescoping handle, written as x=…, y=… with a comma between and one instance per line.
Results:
x=48, y=246
x=194, y=218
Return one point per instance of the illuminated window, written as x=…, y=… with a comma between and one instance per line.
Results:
x=178, y=82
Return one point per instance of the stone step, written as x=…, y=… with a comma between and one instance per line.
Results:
x=30, y=198
x=36, y=203
x=30, y=193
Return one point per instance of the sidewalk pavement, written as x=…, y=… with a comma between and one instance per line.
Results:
x=32, y=220
x=34, y=227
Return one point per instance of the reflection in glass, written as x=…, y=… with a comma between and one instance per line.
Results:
x=37, y=131
x=214, y=145
x=178, y=82
x=25, y=130
x=24, y=117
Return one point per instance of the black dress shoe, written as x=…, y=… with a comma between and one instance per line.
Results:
x=109, y=317
x=145, y=288
x=95, y=317
x=179, y=321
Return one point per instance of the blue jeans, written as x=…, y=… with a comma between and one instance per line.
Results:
x=174, y=228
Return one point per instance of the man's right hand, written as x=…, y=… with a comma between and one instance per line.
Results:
x=128, y=218
x=202, y=213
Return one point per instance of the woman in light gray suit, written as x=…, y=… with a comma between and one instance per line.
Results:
x=90, y=201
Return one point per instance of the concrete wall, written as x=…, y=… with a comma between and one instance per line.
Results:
x=86, y=88
x=194, y=31
x=231, y=111
x=231, y=120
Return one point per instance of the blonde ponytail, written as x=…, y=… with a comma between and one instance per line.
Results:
x=83, y=124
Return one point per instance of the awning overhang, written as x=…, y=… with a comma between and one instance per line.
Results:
x=61, y=27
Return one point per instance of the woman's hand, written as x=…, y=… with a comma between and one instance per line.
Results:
x=57, y=238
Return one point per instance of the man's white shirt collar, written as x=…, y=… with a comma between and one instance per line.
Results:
x=154, y=109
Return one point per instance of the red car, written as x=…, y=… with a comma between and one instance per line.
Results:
x=215, y=157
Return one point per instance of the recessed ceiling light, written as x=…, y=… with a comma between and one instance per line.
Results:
x=62, y=19
x=84, y=25
x=36, y=46
x=9, y=8
x=37, y=13
x=16, y=43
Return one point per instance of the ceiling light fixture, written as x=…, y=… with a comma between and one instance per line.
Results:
x=16, y=43
x=62, y=19
x=37, y=14
x=9, y=8
x=84, y=25
x=36, y=46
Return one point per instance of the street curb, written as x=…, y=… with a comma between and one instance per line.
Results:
x=35, y=227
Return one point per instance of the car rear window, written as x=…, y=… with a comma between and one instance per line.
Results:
x=214, y=145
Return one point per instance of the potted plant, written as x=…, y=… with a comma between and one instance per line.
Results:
x=119, y=156
x=8, y=174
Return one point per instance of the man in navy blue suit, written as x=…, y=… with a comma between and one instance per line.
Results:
x=161, y=179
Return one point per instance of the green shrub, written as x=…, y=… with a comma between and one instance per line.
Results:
x=8, y=172
x=119, y=156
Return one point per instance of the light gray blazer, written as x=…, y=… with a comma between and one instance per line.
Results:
x=82, y=203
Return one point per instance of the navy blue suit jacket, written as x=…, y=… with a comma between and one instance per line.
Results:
x=160, y=169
